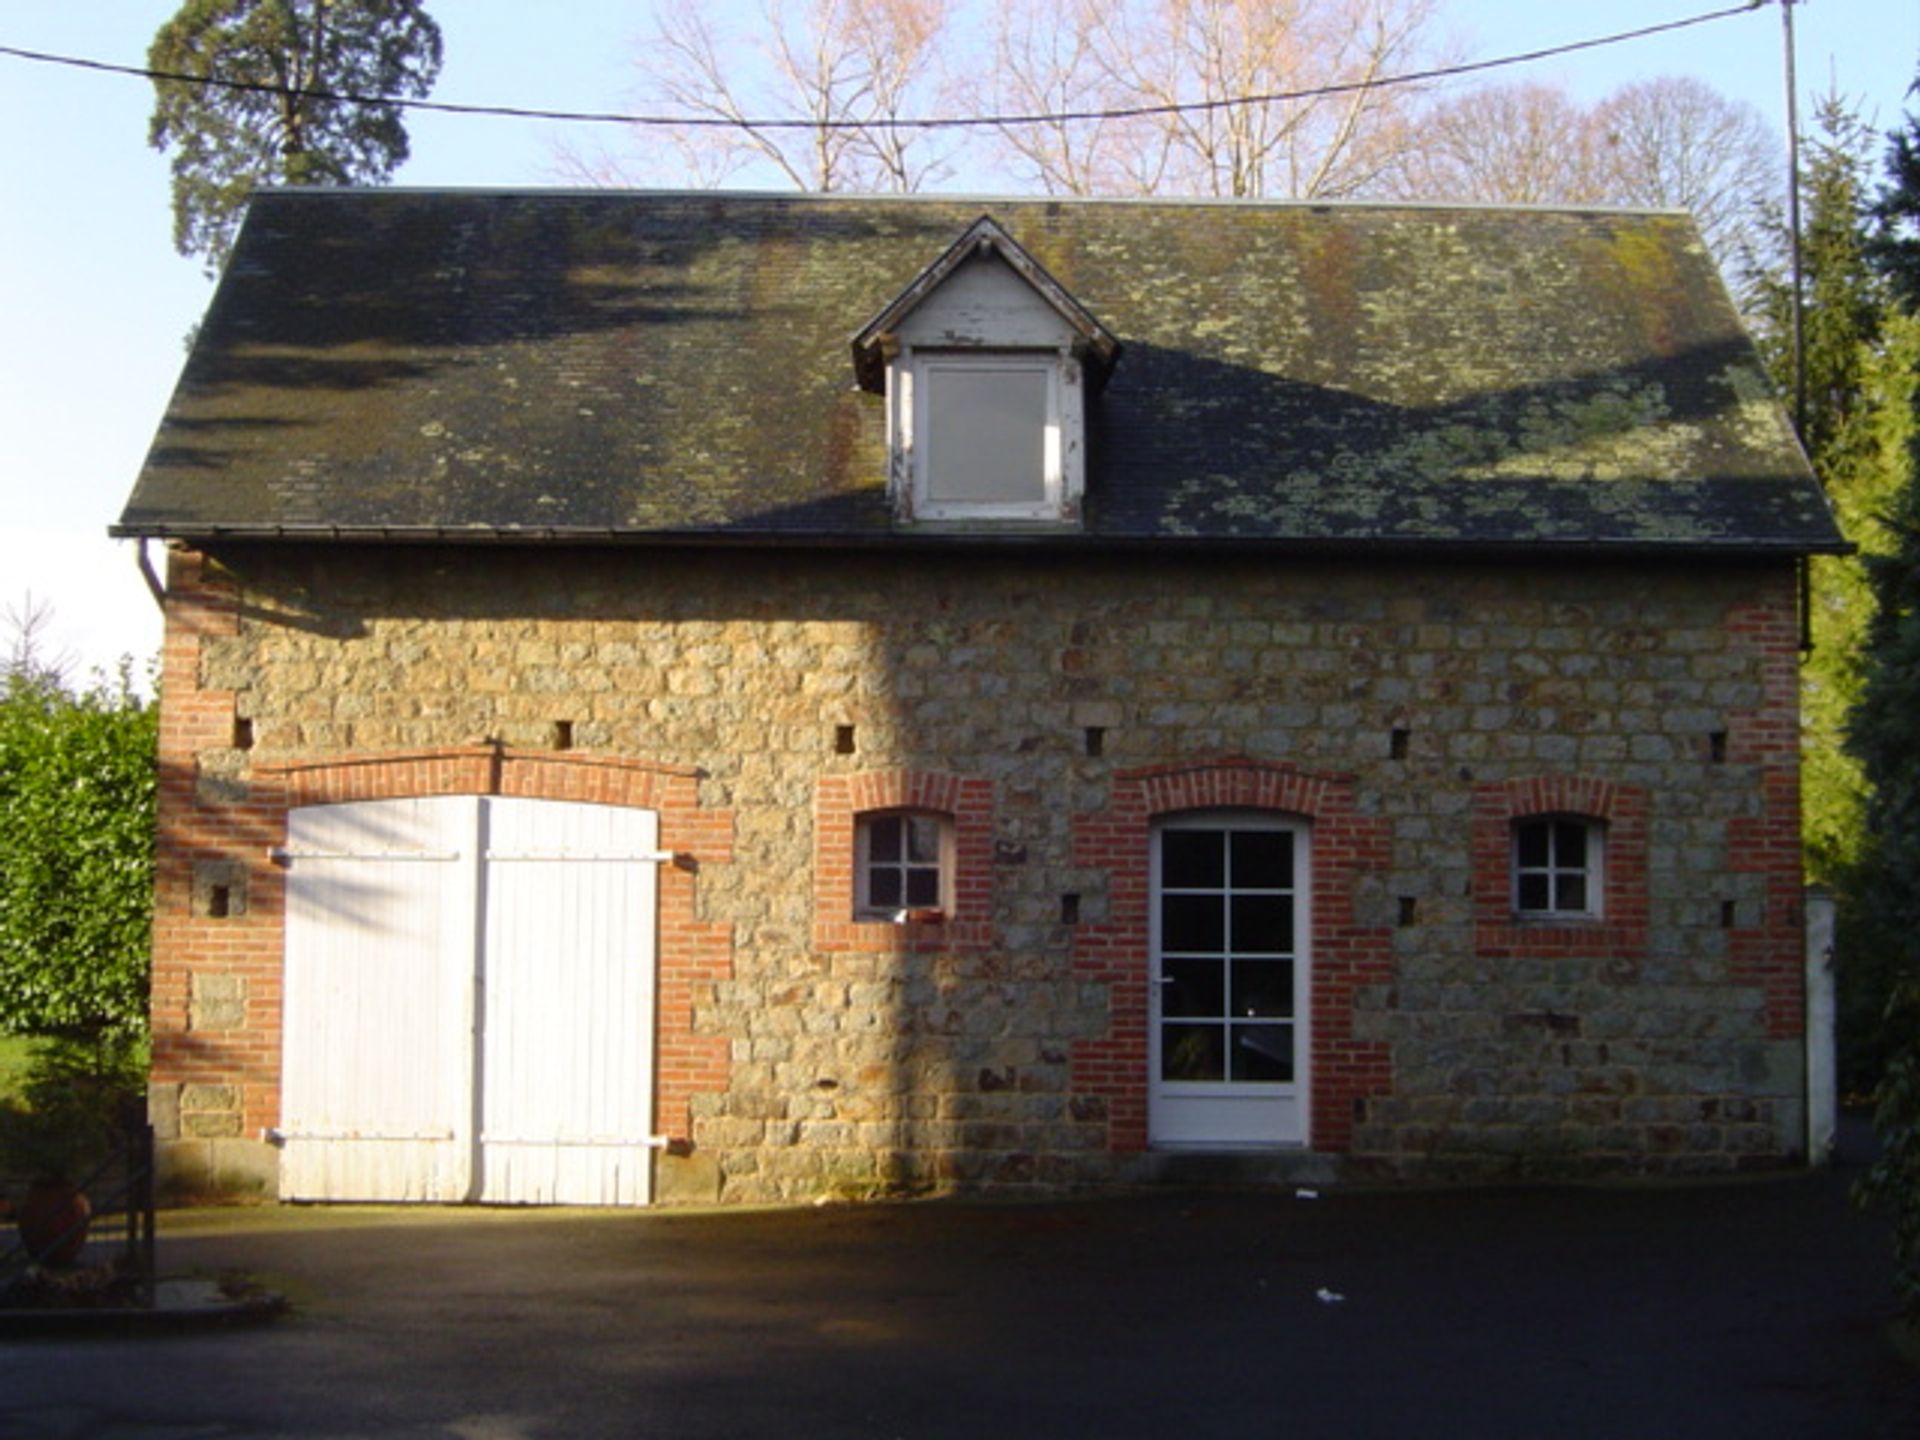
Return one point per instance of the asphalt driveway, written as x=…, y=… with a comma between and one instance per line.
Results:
x=1745, y=1309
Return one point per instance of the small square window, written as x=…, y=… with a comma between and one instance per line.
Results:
x=902, y=865
x=1556, y=868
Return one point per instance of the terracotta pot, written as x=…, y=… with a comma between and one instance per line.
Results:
x=53, y=1222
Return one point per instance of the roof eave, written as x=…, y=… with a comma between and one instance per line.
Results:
x=1588, y=547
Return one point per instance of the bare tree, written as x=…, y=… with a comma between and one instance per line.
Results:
x=1506, y=145
x=1678, y=142
x=1669, y=143
x=851, y=69
x=1198, y=68
x=30, y=657
x=1044, y=67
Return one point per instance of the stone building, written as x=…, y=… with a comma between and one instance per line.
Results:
x=687, y=696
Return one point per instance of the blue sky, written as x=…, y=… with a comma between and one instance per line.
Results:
x=94, y=302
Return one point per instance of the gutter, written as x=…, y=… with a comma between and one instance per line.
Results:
x=932, y=538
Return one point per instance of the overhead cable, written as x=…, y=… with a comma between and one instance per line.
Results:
x=940, y=122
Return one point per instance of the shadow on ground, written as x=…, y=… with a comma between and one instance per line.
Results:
x=1745, y=1309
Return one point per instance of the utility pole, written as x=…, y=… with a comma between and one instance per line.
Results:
x=1793, y=227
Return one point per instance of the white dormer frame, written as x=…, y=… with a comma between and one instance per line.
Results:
x=936, y=399
x=985, y=373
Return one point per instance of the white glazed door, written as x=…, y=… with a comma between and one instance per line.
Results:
x=1229, y=983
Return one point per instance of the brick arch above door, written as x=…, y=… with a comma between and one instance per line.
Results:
x=1111, y=1070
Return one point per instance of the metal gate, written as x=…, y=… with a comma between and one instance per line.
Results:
x=468, y=1009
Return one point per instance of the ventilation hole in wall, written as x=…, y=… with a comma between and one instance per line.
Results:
x=242, y=734
x=220, y=902
x=563, y=734
x=1096, y=740
x=843, y=739
x=1728, y=914
x=1069, y=909
x=1717, y=747
x=1409, y=910
x=1397, y=745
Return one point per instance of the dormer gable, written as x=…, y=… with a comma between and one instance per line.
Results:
x=985, y=361
x=984, y=242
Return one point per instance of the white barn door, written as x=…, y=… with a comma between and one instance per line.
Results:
x=376, y=1079
x=567, y=1055
x=469, y=1002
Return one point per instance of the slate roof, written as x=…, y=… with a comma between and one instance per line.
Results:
x=644, y=367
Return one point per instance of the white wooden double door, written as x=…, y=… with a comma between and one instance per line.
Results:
x=469, y=1002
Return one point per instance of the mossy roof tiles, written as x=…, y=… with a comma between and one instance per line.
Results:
x=676, y=366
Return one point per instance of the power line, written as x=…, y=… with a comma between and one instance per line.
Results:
x=944, y=122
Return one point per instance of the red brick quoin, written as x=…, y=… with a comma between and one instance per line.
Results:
x=1346, y=956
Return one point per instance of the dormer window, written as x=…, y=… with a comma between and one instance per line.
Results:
x=984, y=361
x=986, y=436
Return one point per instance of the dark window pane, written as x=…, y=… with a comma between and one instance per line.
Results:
x=1531, y=843
x=923, y=887
x=883, y=837
x=923, y=839
x=1570, y=893
x=1193, y=859
x=1263, y=924
x=1263, y=1053
x=1193, y=923
x=1263, y=989
x=884, y=887
x=1193, y=987
x=1192, y=1052
x=1262, y=860
x=1533, y=893
x=1570, y=845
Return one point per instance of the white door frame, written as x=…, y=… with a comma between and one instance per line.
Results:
x=1224, y=1113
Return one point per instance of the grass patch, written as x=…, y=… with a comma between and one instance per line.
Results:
x=16, y=1052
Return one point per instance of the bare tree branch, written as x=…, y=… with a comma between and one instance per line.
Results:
x=850, y=67
x=1086, y=54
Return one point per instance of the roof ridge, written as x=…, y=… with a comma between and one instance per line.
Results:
x=969, y=197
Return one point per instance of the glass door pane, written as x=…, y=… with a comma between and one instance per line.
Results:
x=1225, y=949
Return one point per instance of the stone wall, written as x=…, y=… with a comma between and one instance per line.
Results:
x=1057, y=704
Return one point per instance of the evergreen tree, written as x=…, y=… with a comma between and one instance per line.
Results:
x=275, y=119
x=1885, y=734
x=1845, y=301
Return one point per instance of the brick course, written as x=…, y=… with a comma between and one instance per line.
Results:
x=1409, y=712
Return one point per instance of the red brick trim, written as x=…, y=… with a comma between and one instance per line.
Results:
x=1771, y=954
x=473, y=770
x=839, y=801
x=1347, y=957
x=1620, y=931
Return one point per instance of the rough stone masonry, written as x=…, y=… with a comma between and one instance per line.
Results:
x=1053, y=705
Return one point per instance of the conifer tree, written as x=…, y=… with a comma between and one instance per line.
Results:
x=277, y=117
x=1845, y=303
x=1885, y=734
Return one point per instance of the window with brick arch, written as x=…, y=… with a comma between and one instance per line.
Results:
x=903, y=865
x=1558, y=867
